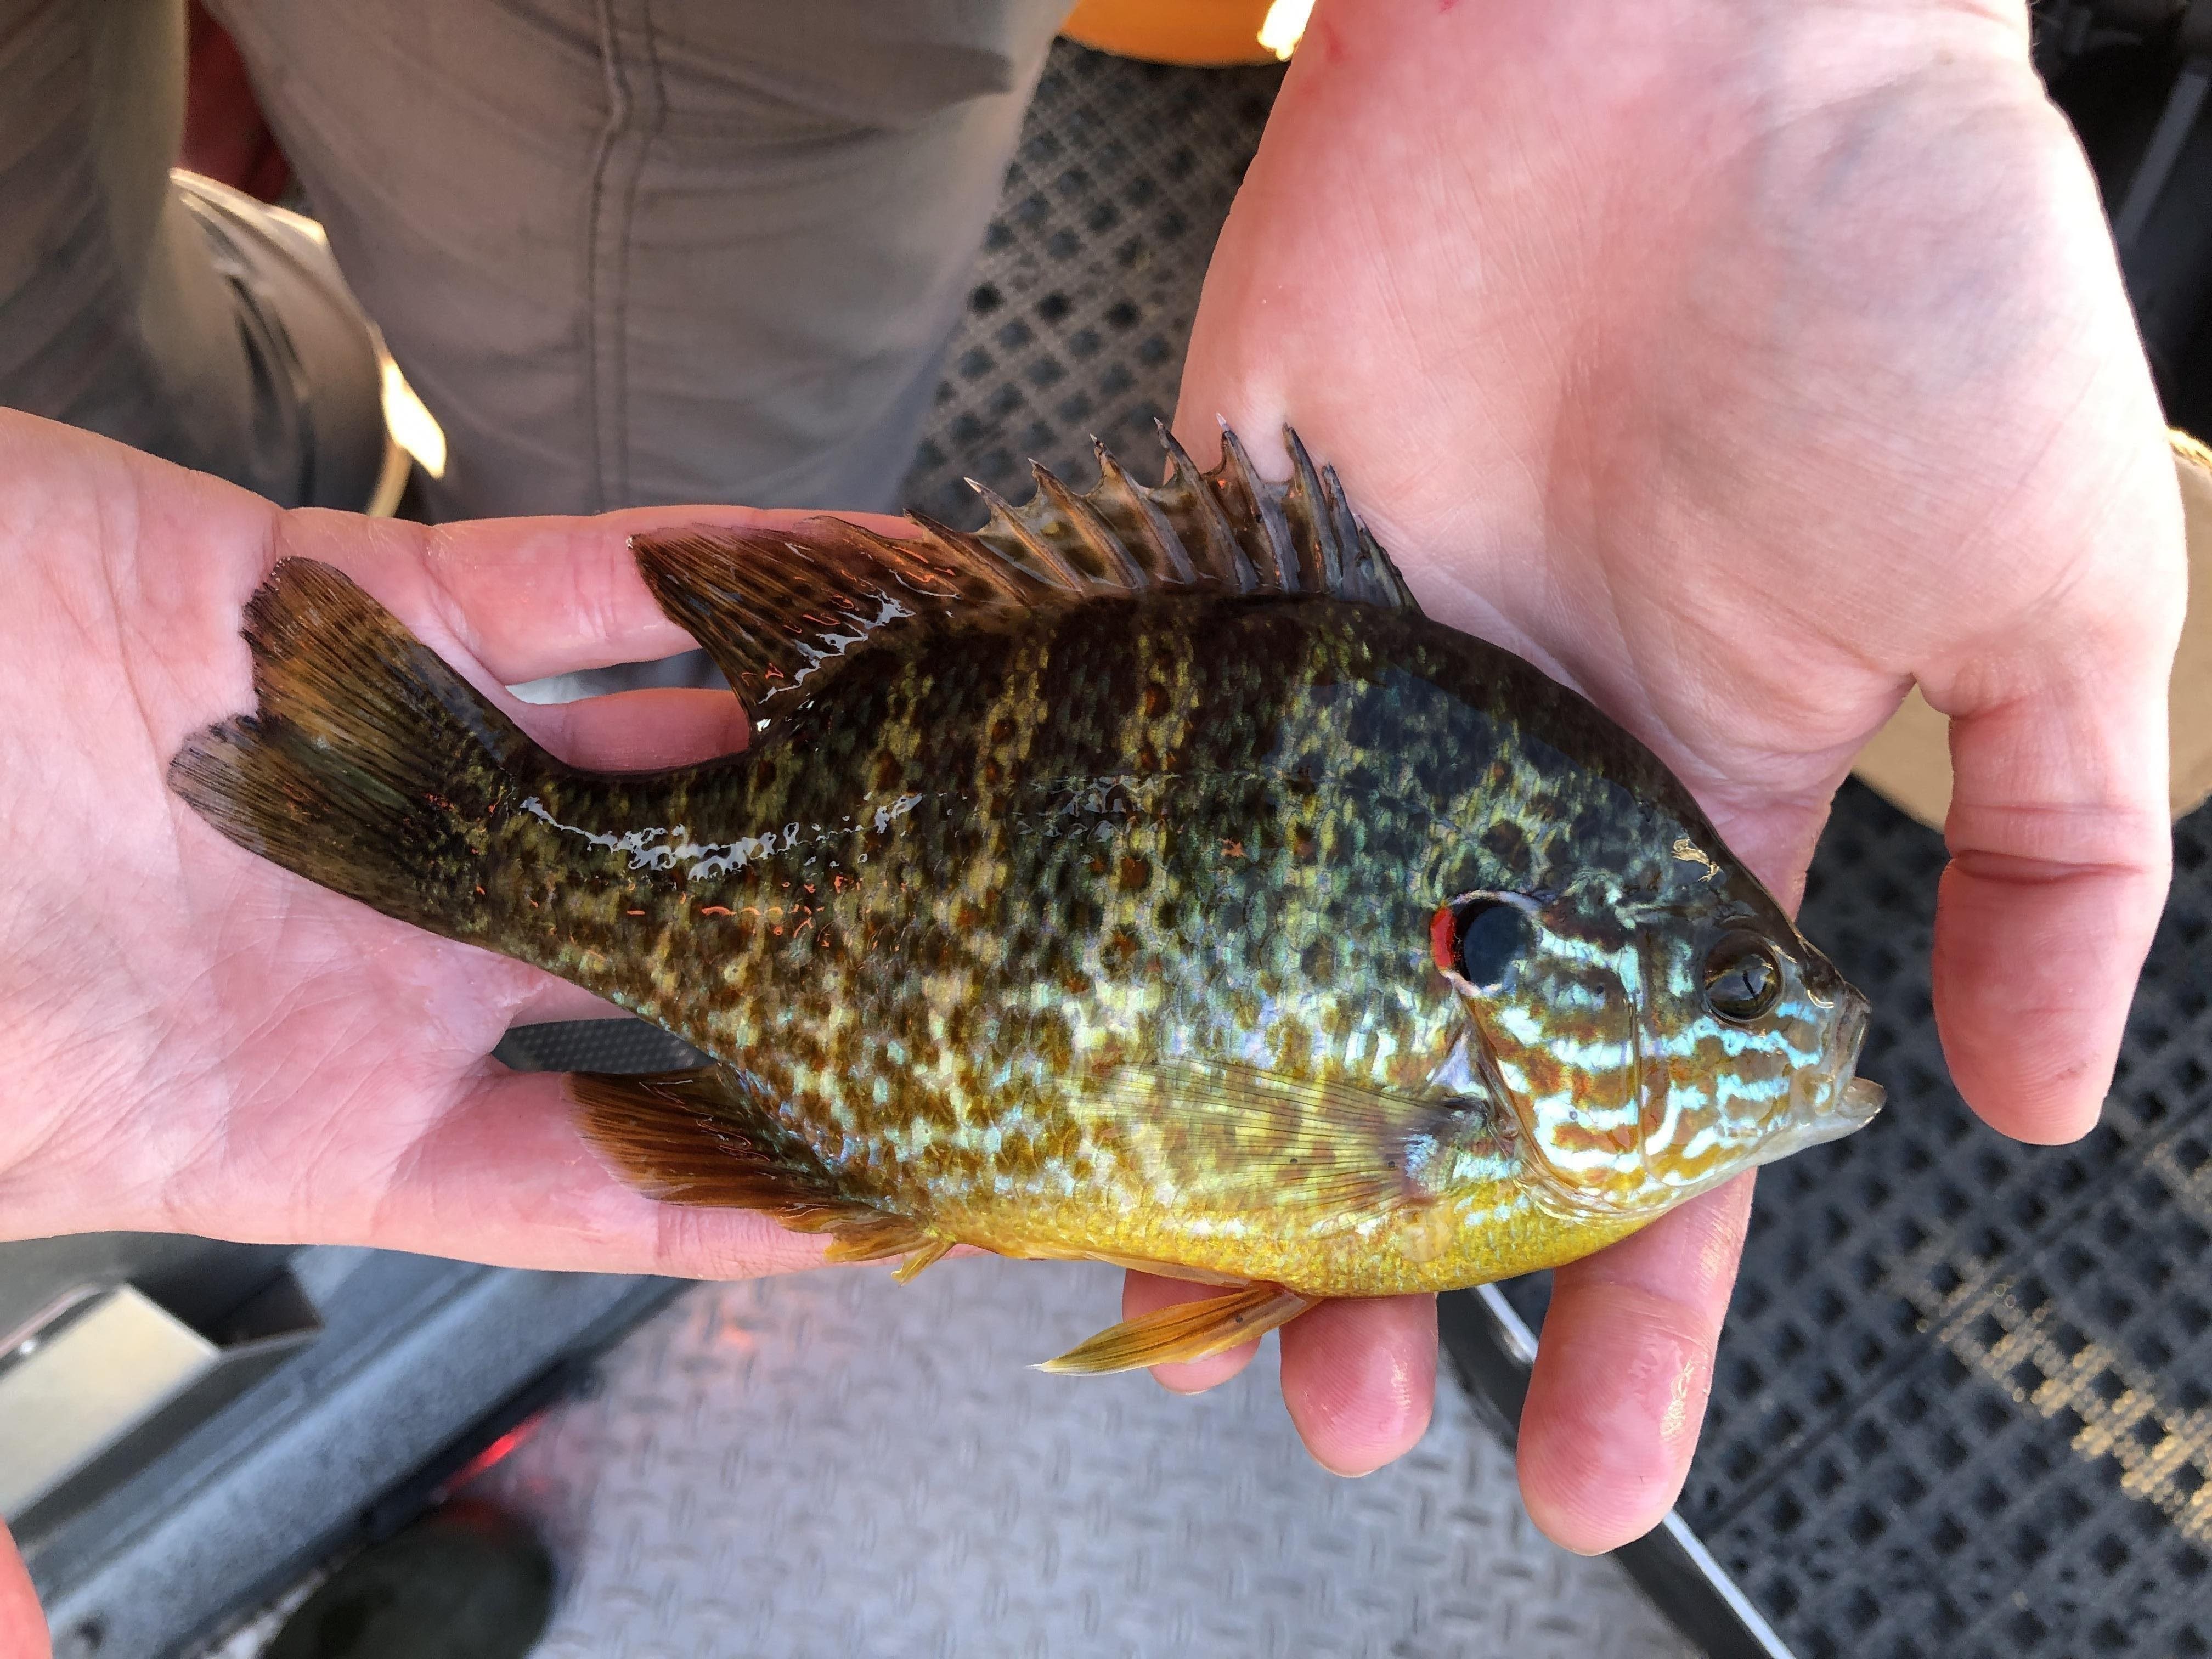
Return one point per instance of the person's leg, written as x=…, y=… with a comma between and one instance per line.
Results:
x=158, y=312
x=633, y=252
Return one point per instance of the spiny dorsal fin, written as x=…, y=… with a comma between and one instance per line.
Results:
x=701, y=1137
x=775, y=606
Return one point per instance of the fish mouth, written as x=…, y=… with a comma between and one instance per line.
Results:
x=1861, y=1098
x=1857, y=1098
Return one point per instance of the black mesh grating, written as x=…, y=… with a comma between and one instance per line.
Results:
x=1090, y=275
x=595, y=1045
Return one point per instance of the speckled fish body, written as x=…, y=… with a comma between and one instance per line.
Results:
x=1166, y=891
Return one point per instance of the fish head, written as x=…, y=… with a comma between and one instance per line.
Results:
x=1652, y=1047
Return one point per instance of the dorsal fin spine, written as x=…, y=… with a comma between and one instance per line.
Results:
x=1083, y=519
x=1321, y=560
x=1247, y=499
x=1006, y=524
x=1356, y=569
x=1223, y=555
x=1383, y=576
x=1120, y=500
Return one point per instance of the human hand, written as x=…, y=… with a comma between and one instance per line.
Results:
x=1739, y=365
x=23, y=1626
x=200, y=1041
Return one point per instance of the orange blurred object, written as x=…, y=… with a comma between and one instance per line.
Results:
x=1173, y=31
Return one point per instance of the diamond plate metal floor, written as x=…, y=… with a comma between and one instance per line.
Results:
x=835, y=1464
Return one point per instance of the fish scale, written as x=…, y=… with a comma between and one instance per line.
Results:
x=1094, y=887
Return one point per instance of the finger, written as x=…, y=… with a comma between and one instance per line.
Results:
x=1147, y=1293
x=1359, y=1379
x=504, y=1174
x=2061, y=852
x=556, y=999
x=1622, y=1372
x=527, y=597
x=639, y=731
x=533, y=597
x=23, y=1626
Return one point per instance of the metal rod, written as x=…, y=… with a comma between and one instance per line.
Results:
x=2156, y=168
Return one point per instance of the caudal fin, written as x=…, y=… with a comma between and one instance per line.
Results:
x=369, y=767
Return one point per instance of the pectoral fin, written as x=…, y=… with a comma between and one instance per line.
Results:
x=1185, y=1332
x=1234, y=1139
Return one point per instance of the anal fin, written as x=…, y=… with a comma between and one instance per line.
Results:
x=703, y=1137
x=1185, y=1332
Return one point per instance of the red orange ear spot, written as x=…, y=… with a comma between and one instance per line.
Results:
x=1444, y=939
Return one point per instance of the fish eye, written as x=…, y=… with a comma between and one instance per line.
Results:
x=1742, y=979
x=1481, y=938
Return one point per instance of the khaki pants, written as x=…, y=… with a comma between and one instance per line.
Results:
x=629, y=251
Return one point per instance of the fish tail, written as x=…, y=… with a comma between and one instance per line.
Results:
x=369, y=766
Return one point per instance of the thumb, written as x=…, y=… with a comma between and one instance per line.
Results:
x=2061, y=849
x=23, y=1626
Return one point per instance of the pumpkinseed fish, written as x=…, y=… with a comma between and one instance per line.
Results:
x=1142, y=878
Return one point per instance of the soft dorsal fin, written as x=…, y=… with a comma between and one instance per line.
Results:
x=774, y=606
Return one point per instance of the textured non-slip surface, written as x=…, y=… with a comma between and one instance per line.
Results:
x=596, y=1045
x=1090, y=276
x=836, y=1464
